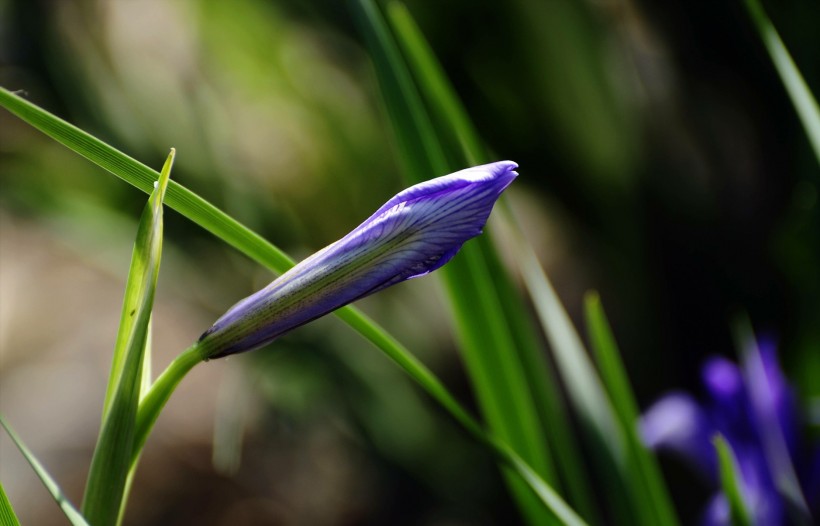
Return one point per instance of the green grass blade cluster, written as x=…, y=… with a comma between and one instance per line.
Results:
x=557, y=508
x=475, y=280
x=487, y=346
x=586, y=392
x=636, y=464
x=802, y=98
x=730, y=481
x=647, y=488
x=71, y=513
x=461, y=142
x=7, y=515
x=111, y=464
x=583, y=384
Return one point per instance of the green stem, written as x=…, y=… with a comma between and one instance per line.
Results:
x=433, y=386
x=151, y=406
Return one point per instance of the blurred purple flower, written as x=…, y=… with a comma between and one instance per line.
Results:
x=414, y=233
x=754, y=408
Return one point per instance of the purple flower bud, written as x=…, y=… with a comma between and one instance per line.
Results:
x=414, y=233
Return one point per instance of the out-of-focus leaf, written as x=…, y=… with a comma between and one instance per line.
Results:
x=474, y=280
x=71, y=513
x=585, y=389
x=141, y=176
x=452, y=122
x=647, y=488
x=730, y=481
x=111, y=463
x=462, y=143
x=804, y=102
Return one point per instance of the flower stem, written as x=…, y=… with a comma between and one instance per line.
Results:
x=151, y=406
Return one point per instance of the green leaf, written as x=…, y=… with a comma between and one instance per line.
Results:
x=462, y=143
x=71, y=513
x=136, y=290
x=7, y=515
x=111, y=464
x=557, y=508
x=475, y=281
x=647, y=488
x=139, y=175
x=731, y=482
x=451, y=120
x=799, y=92
x=584, y=386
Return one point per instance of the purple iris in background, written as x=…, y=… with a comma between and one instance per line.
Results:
x=753, y=407
x=414, y=233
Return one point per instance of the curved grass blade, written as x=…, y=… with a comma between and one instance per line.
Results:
x=730, y=481
x=111, y=463
x=71, y=513
x=7, y=515
x=135, y=292
x=141, y=176
x=463, y=143
x=804, y=102
x=558, y=509
x=442, y=101
x=647, y=487
x=498, y=377
x=236, y=235
x=582, y=381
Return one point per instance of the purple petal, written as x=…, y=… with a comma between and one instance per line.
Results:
x=414, y=233
x=717, y=512
x=773, y=414
x=730, y=407
x=775, y=393
x=676, y=423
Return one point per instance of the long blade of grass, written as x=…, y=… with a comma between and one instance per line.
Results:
x=7, y=515
x=135, y=292
x=557, y=508
x=584, y=388
x=647, y=487
x=804, y=102
x=462, y=142
x=444, y=106
x=240, y=237
x=141, y=176
x=111, y=463
x=71, y=513
x=489, y=347
x=582, y=381
x=730, y=481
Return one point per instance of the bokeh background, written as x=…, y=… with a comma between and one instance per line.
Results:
x=661, y=163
